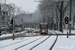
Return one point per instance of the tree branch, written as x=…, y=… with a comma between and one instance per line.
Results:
x=66, y=7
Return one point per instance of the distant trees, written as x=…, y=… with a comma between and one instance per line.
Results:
x=55, y=10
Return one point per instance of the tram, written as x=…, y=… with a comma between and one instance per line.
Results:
x=43, y=28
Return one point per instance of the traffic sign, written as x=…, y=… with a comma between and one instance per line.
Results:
x=22, y=19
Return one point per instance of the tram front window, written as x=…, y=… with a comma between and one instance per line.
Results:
x=43, y=29
x=43, y=26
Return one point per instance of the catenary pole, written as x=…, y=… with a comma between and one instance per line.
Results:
x=70, y=17
x=5, y=18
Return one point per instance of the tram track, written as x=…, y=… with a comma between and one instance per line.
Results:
x=54, y=43
x=29, y=43
x=32, y=42
x=40, y=42
x=16, y=42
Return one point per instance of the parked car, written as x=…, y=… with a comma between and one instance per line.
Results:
x=28, y=29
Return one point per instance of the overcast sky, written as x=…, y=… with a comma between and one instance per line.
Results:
x=27, y=5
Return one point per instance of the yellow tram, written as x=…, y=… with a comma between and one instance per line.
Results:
x=43, y=28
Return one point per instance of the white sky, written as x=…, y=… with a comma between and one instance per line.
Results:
x=27, y=5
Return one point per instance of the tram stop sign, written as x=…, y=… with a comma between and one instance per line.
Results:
x=66, y=20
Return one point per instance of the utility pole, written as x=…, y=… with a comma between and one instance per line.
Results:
x=70, y=17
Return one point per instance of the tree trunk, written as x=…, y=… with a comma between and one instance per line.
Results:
x=61, y=15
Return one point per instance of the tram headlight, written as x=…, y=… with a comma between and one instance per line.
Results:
x=43, y=31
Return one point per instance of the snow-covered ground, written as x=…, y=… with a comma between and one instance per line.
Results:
x=51, y=32
x=10, y=34
x=64, y=43
x=65, y=31
x=72, y=31
x=58, y=32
